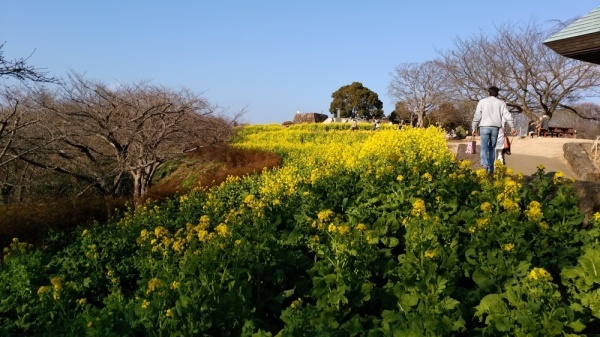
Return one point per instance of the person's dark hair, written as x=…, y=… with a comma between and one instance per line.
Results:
x=493, y=91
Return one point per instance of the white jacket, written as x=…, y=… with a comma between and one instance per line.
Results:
x=493, y=112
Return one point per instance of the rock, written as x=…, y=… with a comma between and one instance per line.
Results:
x=580, y=162
x=309, y=117
x=589, y=196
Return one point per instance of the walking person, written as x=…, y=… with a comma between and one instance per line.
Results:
x=354, y=126
x=490, y=115
x=499, y=154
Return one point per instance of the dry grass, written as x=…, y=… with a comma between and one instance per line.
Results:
x=211, y=166
x=30, y=222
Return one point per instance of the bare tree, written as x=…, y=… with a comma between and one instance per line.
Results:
x=16, y=122
x=532, y=78
x=13, y=119
x=586, y=127
x=453, y=114
x=419, y=86
x=110, y=134
x=20, y=70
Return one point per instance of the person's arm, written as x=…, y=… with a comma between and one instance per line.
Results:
x=476, y=118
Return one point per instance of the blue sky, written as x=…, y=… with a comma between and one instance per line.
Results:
x=271, y=57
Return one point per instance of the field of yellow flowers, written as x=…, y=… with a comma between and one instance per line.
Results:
x=365, y=233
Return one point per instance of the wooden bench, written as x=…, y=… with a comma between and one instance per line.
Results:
x=560, y=132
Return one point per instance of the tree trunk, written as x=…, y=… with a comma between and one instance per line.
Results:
x=142, y=180
x=139, y=188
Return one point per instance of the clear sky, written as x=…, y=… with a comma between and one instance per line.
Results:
x=271, y=57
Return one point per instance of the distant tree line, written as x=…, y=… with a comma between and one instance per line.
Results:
x=534, y=81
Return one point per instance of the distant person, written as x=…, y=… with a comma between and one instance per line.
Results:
x=531, y=127
x=376, y=126
x=543, y=125
x=354, y=125
x=501, y=149
x=461, y=133
x=401, y=125
x=490, y=115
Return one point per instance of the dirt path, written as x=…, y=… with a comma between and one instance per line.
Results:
x=528, y=153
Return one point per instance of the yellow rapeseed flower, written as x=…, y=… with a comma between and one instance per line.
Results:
x=203, y=235
x=178, y=245
x=222, y=230
x=510, y=187
x=56, y=282
x=145, y=304
x=508, y=247
x=361, y=227
x=152, y=285
x=296, y=304
x=419, y=208
x=558, y=178
x=204, y=222
x=539, y=274
x=144, y=234
x=534, y=211
x=430, y=254
x=482, y=223
x=543, y=226
x=160, y=231
x=486, y=207
x=343, y=230
x=44, y=289
x=481, y=173
x=248, y=199
x=325, y=215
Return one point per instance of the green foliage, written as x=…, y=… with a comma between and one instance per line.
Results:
x=392, y=243
x=356, y=99
x=461, y=133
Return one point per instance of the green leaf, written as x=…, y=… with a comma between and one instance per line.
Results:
x=470, y=256
x=330, y=278
x=481, y=279
x=577, y=326
x=502, y=324
x=288, y=293
x=409, y=300
x=490, y=304
x=393, y=242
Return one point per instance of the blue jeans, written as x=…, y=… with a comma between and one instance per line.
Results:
x=489, y=136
